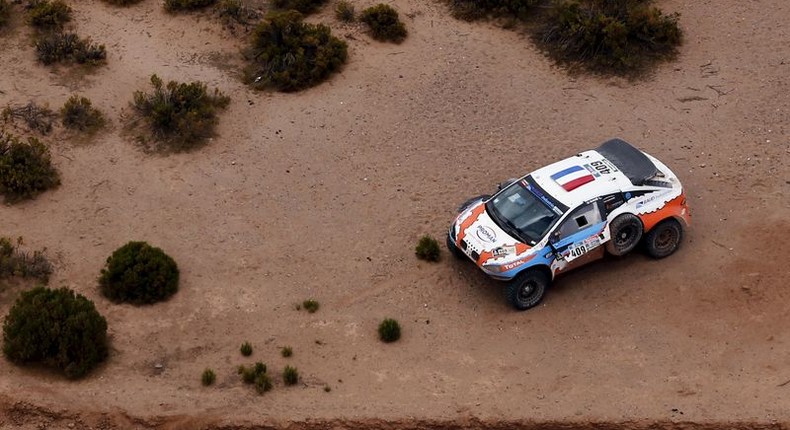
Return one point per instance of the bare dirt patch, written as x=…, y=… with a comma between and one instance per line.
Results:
x=323, y=194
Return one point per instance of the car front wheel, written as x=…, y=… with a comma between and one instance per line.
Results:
x=626, y=231
x=527, y=289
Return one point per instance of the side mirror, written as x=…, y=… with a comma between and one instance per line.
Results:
x=505, y=184
x=555, y=237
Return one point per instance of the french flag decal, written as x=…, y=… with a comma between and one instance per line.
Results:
x=572, y=177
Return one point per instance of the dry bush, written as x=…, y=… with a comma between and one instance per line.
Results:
x=181, y=116
x=5, y=13
x=384, y=23
x=48, y=15
x=122, y=2
x=56, y=47
x=16, y=262
x=427, y=249
x=302, y=6
x=139, y=273
x=288, y=54
x=610, y=35
x=25, y=168
x=344, y=11
x=470, y=10
x=186, y=5
x=78, y=113
x=58, y=328
x=37, y=118
x=235, y=11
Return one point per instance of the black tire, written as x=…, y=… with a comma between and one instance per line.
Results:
x=664, y=239
x=527, y=289
x=626, y=231
x=457, y=253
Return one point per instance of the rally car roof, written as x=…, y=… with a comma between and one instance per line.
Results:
x=612, y=167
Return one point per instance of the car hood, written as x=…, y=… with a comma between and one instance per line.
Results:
x=483, y=237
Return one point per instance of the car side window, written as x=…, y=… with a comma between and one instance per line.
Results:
x=612, y=202
x=580, y=219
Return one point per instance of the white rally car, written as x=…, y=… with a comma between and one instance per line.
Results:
x=568, y=214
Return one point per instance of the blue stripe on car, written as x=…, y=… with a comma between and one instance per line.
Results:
x=562, y=173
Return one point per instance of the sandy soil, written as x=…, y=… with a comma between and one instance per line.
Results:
x=324, y=193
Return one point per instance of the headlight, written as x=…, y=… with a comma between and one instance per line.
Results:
x=495, y=268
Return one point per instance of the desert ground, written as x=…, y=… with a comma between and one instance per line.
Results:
x=323, y=194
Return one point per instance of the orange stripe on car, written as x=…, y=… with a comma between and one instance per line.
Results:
x=675, y=208
x=468, y=222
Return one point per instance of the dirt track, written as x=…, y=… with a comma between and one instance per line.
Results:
x=324, y=193
x=23, y=416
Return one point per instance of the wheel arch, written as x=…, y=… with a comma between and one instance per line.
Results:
x=540, y=267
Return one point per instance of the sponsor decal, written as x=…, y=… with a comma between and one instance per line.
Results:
x=652, y=198
x=513, y=265
x=503, y=251
x=591, y=170
x=573, y=177
x=542, y=198
x=578, y=249
x=486, y=234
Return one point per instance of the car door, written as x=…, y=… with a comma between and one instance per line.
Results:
x=580, y=234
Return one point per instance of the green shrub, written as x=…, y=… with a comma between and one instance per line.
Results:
x=122, y=2
x=389, y=330
x=15, y=262
x=287, y=351
x=181, y=115
x=289, y=55
x=247, y=374
x=290, y=375
x=311, y=305
x=257, y=375
x=139, y=273
x=263, y=383
x=25, y=168
x=208, y=377
x=611, y=35
x=48, y=15
x=384, y=23
x=230, y=9
x=78, y=113
x=56, y=47
x=344, y=11
x=37, y=118
x=427, y=249
x=246, y=349
x=183, y=5
x=5, y=12
x=470, y=10
x=301, y=6
x=235, y=11
x=58, y=328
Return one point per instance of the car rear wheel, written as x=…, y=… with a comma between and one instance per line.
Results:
x=664, y=239
x=626, y=231
x=527, y=289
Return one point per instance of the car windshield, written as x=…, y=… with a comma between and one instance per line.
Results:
x=518, y=211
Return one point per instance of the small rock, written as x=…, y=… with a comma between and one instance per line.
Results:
x=159, y=366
